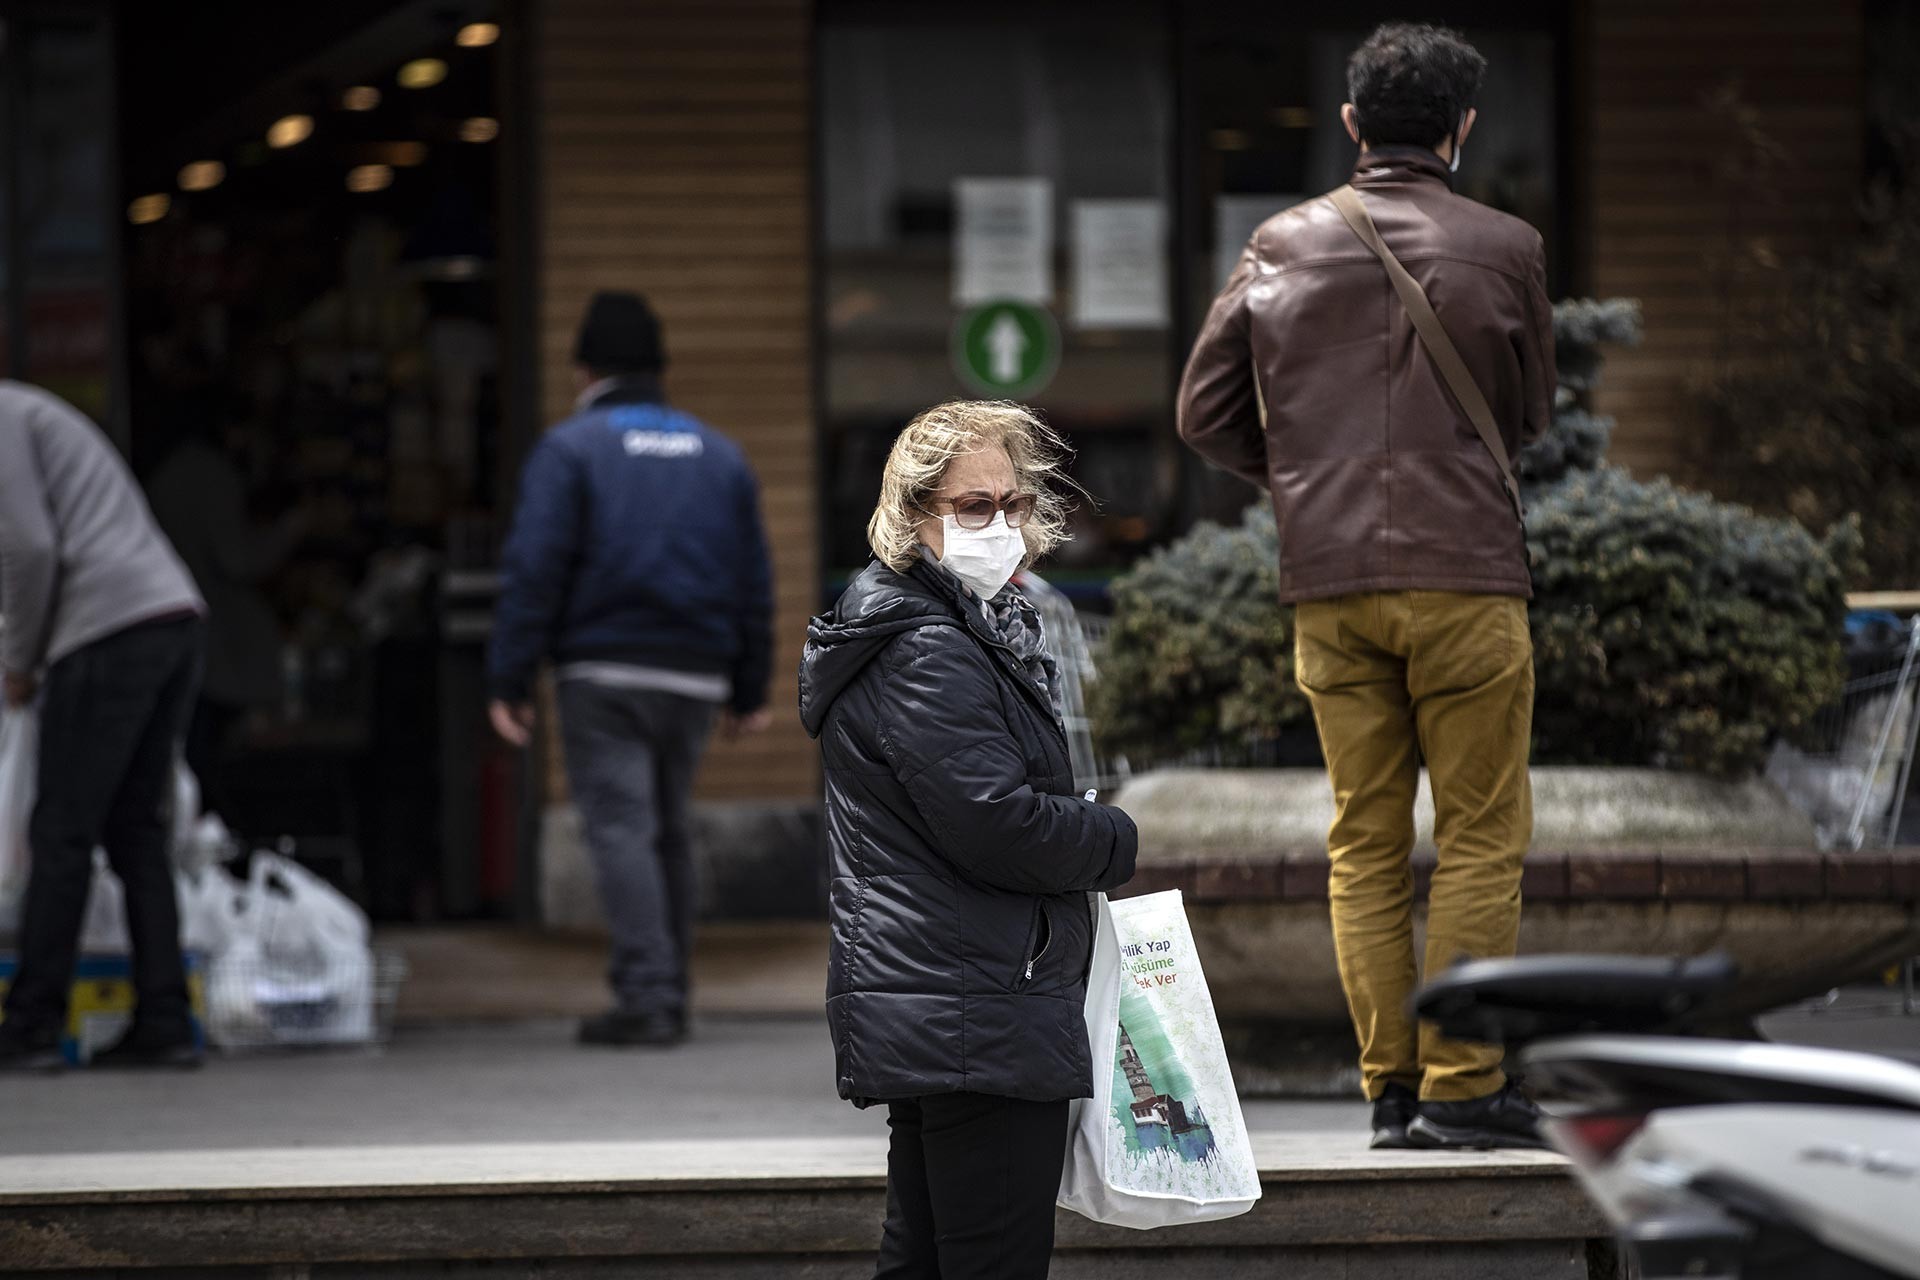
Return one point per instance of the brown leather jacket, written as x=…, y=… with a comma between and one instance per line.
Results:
x=1308, y=380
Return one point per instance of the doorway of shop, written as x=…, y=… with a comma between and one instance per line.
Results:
x=319, y=317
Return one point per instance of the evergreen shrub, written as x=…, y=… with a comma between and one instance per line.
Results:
x=1200, y=654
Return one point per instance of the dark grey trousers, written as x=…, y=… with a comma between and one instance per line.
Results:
x=631, y=757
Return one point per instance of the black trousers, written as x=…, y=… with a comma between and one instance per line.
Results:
x=110, y=722
x=208, y=730
x=971, y=1181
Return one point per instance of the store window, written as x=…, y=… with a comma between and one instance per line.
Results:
x=997, y=222
x=57, y=226
x=1053, y=194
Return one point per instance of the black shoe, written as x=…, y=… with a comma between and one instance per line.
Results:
x=139, y=1047
x=622, y=1029
x=27, y=1051
x=1506, y=1119
x=1393, y=1111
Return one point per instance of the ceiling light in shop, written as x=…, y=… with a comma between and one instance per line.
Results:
x=289, y=131
x=1292, y=117
x=361, y=97
x=422, y=73
x=477, y=35
x=202, y=175
x=1230, y=140
x=479, y=129
x=369, y=177
x=149, y=209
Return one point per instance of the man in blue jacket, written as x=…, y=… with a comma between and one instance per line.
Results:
x=637, y=564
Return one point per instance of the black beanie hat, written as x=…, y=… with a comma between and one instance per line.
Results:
x=620, y=335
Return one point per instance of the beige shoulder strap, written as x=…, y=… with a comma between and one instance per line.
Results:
x=1433, y=335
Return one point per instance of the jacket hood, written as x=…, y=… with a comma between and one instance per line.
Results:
x=877, y=605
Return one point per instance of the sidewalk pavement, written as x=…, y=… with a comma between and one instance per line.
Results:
x=483, y=1056
x=482, y=972
x=524, y=1082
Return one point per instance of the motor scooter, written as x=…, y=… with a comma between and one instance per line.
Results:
x=1713, y=1158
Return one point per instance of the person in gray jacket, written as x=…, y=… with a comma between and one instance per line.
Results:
x=102, y=627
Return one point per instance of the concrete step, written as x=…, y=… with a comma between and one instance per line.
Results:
x=745, y=1208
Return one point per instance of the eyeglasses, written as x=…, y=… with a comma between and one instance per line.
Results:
x=977, y=512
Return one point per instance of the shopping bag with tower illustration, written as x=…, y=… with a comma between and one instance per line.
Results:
x=1162, y=1140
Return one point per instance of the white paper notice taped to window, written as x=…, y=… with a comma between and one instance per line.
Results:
x=1119, y=264
x=1002, y=240
x=1235, y=219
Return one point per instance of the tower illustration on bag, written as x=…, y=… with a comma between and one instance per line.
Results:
x=1160, y=1119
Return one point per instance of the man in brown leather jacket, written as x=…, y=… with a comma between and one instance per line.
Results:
x=1402, y=551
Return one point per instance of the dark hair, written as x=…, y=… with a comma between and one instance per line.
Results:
x=1411, y=83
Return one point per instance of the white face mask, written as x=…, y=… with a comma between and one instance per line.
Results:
x=1459, y=141
x=985, y=559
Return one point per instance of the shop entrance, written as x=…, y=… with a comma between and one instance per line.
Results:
x=316, y=331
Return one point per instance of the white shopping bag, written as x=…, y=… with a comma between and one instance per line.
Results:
x=103, y=929
x=19, y=769
x=211, y=903
x=298, y=968
x=184, y=816
x=1162, y=1140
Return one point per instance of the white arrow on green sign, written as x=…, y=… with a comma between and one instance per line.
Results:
x=1006, y=348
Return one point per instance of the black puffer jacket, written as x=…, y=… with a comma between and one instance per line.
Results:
x=961, y=857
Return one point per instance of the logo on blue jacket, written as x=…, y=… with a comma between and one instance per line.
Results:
x=655, y=431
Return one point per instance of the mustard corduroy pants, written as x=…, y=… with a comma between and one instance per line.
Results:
x=1394, y=678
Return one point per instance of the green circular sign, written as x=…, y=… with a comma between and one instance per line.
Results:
x=1006, y=348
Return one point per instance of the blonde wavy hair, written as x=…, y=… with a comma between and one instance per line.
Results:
x=918, y=461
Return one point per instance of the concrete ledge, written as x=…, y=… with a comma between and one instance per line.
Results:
x=1329, y=1203
x=1625, y=860
x=1224, y=812
x=1702, y=873
x=1272, y=960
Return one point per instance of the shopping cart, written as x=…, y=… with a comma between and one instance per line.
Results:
x=1851, y=779
x=256, y=1006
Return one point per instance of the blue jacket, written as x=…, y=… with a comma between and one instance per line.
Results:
x=637, y=539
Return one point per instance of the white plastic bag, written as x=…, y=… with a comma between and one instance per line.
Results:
x=1162, y=1141
x=19, y=770
x=103, y=930
x=211, y=903
x=207, y=844
x=185, y=816
x=298, y=968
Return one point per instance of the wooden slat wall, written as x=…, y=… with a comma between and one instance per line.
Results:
x=1661, y=216
x=674, y=159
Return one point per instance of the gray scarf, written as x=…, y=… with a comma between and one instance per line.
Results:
x=1016, y=622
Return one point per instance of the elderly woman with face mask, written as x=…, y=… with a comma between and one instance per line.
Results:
x=962, y=859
